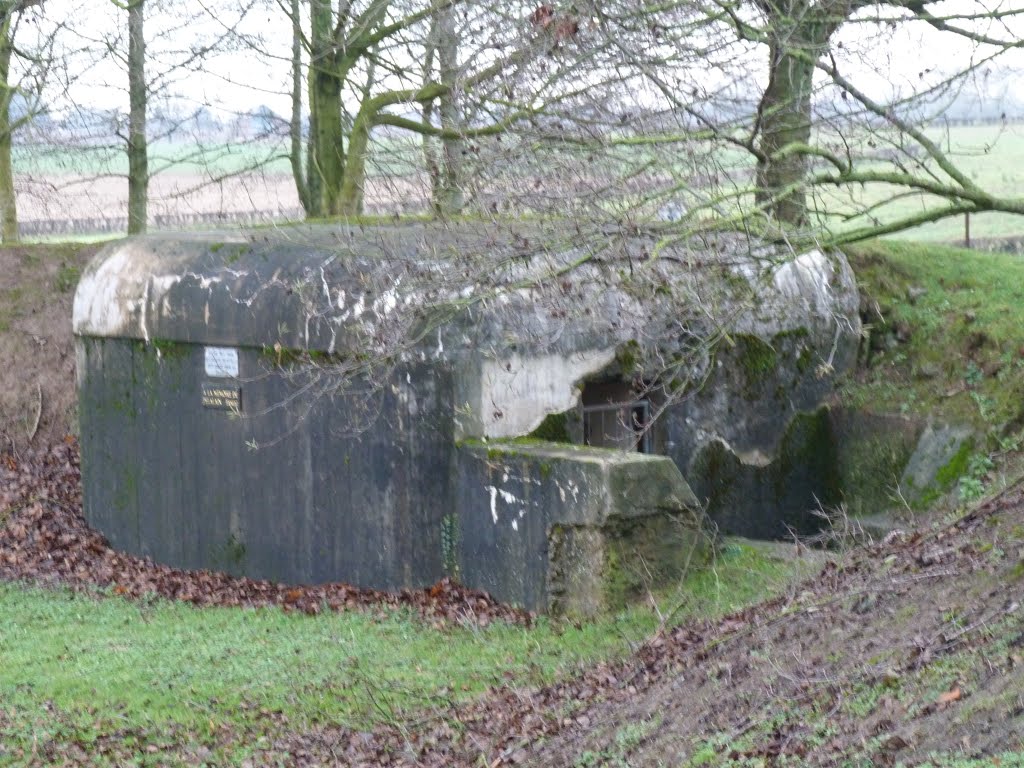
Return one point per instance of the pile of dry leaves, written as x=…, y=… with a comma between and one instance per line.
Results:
x=45, y=539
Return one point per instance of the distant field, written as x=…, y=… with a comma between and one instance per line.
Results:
x=191, y=185
x=197, y=184
x=183, y=158
x=992, y=156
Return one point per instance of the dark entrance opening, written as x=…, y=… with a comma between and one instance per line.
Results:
x=614, y=416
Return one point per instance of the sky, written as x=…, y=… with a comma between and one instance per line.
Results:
x=881, y=60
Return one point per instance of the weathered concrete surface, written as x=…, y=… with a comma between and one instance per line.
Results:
x=572, y=530
x=352, y=486
x=527, y=314
x=939, y=459
x=774, y=498
x=873, y=466
x=364, y=353
x=873, y=450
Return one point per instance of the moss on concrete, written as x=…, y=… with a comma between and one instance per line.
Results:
x=628, y=358
x=450, y=545
x=171, y=349
x=947, y=476
x=230, y=555
x=646, y=553
x=869, y=471
x=554, y=429
x=808, y=453
x=757, y=361
x=804, y=360
x=955, y=468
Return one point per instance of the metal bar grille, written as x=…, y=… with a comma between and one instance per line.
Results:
x=618, y=425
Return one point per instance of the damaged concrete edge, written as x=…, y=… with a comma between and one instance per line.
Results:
x=511, y=397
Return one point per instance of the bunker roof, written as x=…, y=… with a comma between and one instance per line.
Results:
x=445, y=290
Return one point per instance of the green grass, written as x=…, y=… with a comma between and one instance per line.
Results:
x=964, y=360
x=175, y=157
x=158, y=668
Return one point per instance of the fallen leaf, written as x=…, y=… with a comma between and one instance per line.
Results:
x=955, y=694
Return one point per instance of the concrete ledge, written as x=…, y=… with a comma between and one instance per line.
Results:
x=573, y=530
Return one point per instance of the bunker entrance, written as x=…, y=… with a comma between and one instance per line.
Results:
x=615, y=416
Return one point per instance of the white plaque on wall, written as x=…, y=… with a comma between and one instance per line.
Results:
x=221, y=362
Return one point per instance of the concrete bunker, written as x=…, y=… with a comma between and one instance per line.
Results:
x=356, y=404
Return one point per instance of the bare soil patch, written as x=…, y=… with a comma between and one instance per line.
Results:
x=37, y=357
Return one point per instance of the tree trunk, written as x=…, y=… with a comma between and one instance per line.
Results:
x=799, y=37
x=451, y=200
x=295, y=125
x=350, y=197
x=138, y=153
x=326, y=134
x=8, y=203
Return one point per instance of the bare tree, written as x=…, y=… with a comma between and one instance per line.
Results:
x=10, y=14
x=362, y=77
x=791, y=138
x=757, y=115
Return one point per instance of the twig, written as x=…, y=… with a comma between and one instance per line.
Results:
x=39, y=412
x=14, y=446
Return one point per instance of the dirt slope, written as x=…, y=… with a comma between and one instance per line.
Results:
x=37, y=357
x=908, y=653
x=910, y=650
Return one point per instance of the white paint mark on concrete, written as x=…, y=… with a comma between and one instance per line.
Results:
x=494, y=503
x=142, y=311
x=809, y=275
x=359, y=307
x=327, y=288
x=387, y=301
x=99, y=306
x=507, y=497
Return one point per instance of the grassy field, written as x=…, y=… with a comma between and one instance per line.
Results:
x=993, y=156
x=74, y=667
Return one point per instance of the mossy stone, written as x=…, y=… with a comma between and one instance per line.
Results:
x=757, y=361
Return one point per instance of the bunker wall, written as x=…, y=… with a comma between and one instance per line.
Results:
x=350, y=486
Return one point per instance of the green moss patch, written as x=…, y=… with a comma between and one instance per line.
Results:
x=554, y=429
x=757, y=361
